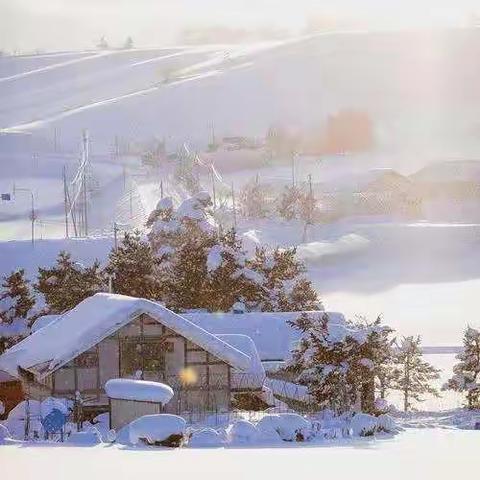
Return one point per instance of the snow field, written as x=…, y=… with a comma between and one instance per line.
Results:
x=416, y=454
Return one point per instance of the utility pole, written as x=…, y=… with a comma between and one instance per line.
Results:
x=161, y=189
x=131, y=204
x=213, y=189
x=65, y=201
x=115, y=238
x=234, y=209
x=84, y=181
x=55, y=140
x=293, y=168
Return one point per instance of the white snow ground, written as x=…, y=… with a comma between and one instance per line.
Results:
x=414, y=454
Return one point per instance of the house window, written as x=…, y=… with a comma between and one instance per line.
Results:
x=143, y=354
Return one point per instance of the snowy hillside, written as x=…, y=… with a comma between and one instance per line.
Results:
x=412, y=84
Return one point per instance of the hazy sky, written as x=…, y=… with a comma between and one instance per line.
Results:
x=66, y=24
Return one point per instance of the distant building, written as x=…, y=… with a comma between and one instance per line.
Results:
x=381, y=192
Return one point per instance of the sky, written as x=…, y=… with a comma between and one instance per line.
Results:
x=27, y=25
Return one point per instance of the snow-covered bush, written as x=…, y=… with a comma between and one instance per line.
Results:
x=89, y=437
x=161, y=429
x=206, y=437
x=288, y=426
x=363, y=425
x=242, y=431
x=4, y=434
x=386, y=423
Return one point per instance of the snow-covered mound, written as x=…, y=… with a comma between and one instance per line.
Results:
x=206, y=437
x=4, y=434
x=242, y=432
x=161, y=429
x=289, y=426
x=88, y=438
x=139, y=390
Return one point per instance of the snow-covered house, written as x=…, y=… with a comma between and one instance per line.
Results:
x=450, y=190
x=110, y=336
x=270, y=332
x=379, y=191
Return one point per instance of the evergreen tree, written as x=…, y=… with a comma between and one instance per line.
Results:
x=16, y=304
x=374, y=359
x=412, y=375
x=200, y=267
x=338, y=362
x=132, y=268
x=128, y=43
x=67, y=283
x=466, y=376
x=282, y=284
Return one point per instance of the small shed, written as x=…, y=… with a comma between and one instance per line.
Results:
x=130, y=399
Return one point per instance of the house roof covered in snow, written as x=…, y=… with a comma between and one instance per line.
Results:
x=375, y=179
x=273, y=337
x=255, y=376
x=98, y=317
x=449, y=171
x=43, y=321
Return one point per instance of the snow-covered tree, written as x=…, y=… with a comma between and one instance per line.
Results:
x=283, y=286
x=16, y=304
x=307, y=207
x=412, y=375
x=253, y=201
x=132, y=268
x=67, y=283
x=128, y=43
x=288, y=203
x=466, y=376
x=102, y=43
x=200, y=267
x=338, y=362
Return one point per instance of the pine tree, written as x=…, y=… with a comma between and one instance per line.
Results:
x=16, y=304
x=200, y=267
x=413, y=376
x=132, y=268
x=339, y=362
x=374, y=359
x=466, y=376
x=128, y=43
x=283, y=286
x=67, y=283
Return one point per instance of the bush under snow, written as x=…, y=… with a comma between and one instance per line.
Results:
x=242, y=431
x=161, y=429
x=288, y=426
x=87, y=438
x=4, y=434
x=207, y=437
